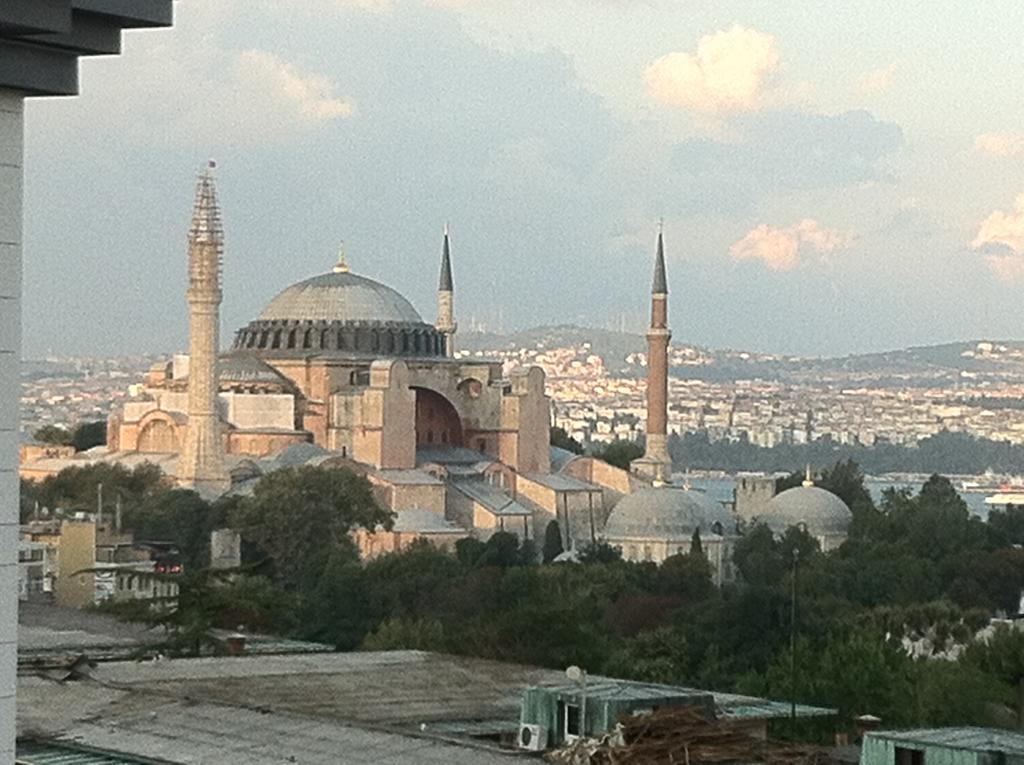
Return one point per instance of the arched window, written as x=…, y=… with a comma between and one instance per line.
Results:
x=264, y=336
x=277, y=339
x=307, y=339
x=341, y=340
x=716, y=527
x=291, y=339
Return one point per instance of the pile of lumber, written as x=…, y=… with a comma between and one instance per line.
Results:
x=683, y=736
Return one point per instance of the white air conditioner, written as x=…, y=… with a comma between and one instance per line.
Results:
x=533, y=737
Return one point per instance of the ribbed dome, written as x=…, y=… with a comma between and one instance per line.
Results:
x=667, y=512
x=821, y=510
x=340, y=296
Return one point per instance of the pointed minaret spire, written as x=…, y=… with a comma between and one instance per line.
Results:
x=445, y=284
x=660, y=286
x=656, y=465
x=201, y=464
x=446, y=297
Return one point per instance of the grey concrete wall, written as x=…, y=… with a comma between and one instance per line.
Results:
x=11, y=152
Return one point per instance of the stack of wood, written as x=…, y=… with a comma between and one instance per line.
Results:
x=684, y=736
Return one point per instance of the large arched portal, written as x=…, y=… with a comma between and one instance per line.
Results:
x=437, y=422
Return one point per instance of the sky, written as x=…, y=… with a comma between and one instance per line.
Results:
x=833, y=177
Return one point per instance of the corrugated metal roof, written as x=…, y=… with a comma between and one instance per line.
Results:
x=973, y=739
x=492, y=498
x=42, y=753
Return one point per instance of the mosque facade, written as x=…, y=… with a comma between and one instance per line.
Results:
x=341, y=361
x=340, y=369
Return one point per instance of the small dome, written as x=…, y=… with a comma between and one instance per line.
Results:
x=822, y=511
x=340, y=296
x=667, y=512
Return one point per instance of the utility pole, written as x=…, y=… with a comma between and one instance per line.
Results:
x=792, y=641
x=99, y=505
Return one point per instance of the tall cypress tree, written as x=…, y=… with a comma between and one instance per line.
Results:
x=552, y=542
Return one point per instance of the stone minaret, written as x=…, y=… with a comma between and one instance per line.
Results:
x=446, y=298
x=202, y=459
x=656, y=464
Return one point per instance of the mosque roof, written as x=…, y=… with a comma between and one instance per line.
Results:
x=340, y=296
x=667, y=512
x=822, y=511
x=245, y=368
x=419, y=521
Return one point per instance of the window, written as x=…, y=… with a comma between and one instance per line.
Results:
x=572, y=722
x=906, y=756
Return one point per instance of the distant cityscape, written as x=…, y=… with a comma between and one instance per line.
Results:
x=596, y=383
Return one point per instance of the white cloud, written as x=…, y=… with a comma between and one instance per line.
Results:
x=1003, y=228
x=1005, y=231
x=728, y=73
x=1000, y=144
x=309, y=97
x=186, y=89
x=877, y=81
x=782, y=249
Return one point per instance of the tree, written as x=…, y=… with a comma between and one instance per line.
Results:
x=502, y=550
x=759, y=557
x=469, y=550
x=601, y=552
x=552, y=542
x=89, y=434
x=179, y=516
x=53, y=434
x=1002, y=656
x=696, y=548
x=620, y=453
x=301, y=516
x=687, y=575
x=76, y=488
x=563, y=440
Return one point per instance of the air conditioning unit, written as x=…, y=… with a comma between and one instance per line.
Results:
x=533, y=737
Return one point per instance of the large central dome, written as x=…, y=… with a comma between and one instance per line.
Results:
x=340, y=296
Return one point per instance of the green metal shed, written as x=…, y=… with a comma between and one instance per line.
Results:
x=943, y=746
x=572, y=710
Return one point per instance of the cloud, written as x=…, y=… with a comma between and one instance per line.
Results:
x=309, y=97
x=1000, y=144
x=728, y=73
x=778, y=151
x=1001, y=239
x=781, y=249
x=1003, y=228
x=877, y=81
x=186, y=86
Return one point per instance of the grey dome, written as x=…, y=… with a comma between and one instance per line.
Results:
x=822, y=511
x=340, y=296
x=667, y=512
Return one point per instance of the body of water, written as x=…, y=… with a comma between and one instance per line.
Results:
x=721, y=489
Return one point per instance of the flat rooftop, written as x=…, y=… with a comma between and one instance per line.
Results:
x=364, y=707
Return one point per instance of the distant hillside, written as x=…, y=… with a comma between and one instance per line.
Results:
x=925, y=365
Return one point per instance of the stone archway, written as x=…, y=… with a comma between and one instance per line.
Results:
x=437, y=421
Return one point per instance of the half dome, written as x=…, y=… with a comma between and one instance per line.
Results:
x=340, y=296
x=667, y=512
x=821, y=511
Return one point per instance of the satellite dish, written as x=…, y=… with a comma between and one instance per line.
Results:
x=574, y=673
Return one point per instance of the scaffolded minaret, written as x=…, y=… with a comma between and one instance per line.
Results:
x=202, y=459
x=446, y=298
x=656, y=465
